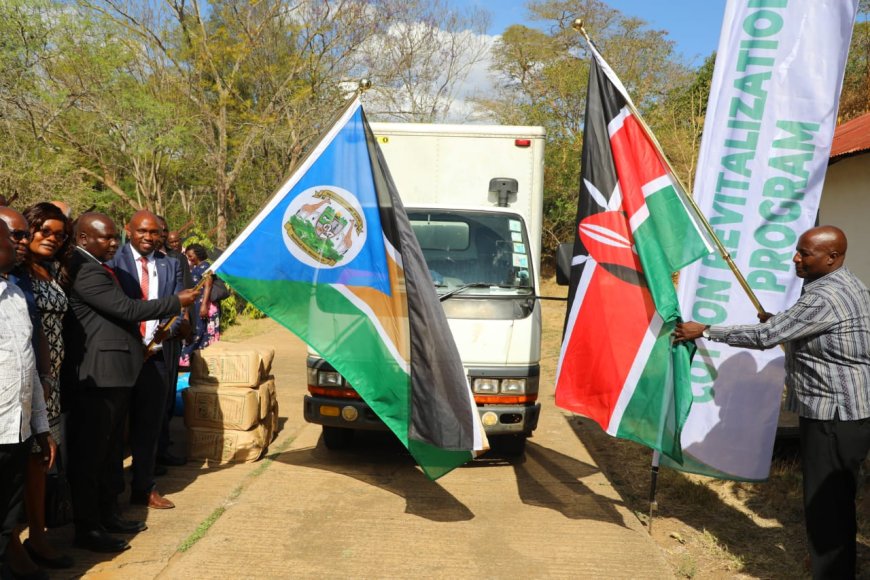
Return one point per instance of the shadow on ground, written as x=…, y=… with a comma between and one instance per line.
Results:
x=175, y=481
x=544, y=478
x=773, y=545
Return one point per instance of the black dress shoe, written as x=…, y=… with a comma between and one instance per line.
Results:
x=118, y=525
x=61, y=562
x=171, y=460
x=160, y=470
x=6, y=573
x=100, y=541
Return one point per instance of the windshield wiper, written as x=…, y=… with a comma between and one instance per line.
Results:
x=447, y=295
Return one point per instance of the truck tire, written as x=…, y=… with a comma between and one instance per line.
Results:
x=336, y=438
x=509, y=445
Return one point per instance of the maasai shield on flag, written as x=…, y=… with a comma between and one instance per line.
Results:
x=333, y=258
x=618, y=365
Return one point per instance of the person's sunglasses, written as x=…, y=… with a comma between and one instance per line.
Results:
x=19, y=235
x=60, y=236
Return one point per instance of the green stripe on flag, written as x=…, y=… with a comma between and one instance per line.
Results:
x=342, y=334
x=676, y=232
x=660, y=402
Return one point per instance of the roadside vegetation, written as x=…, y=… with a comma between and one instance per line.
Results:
x=198, y=109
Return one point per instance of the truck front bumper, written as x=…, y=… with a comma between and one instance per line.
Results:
x=497, y=419
x=331, y=412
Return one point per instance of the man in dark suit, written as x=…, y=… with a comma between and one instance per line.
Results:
x=104, y=355
x=146, y=273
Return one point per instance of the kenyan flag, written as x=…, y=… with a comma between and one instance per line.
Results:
x=618, y=365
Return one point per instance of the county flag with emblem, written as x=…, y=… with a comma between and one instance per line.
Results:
x=333, y=258
x=618, y=364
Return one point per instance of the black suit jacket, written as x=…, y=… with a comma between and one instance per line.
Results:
x=170, y=280
x=101, y=333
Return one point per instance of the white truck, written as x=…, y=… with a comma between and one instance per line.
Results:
x=474, y=196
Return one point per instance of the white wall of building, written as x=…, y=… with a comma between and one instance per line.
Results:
x=846, y=204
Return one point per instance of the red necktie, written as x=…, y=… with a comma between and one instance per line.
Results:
x=111, y=273
x=143, y=284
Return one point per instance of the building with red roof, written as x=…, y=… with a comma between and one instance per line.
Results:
x=846, y=194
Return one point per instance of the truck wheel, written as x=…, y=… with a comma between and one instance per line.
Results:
x=336, y=438
x=509, y=445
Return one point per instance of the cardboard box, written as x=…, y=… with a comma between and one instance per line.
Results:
x=270, y=422
x=227, y=446
x=221, y=407
x=274, y=416
x=266, y=391
x=269, y=407
x=227, y=365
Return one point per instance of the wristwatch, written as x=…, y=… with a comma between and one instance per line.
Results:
x=706, y=332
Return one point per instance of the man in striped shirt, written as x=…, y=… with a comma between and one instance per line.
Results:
x=826, y=336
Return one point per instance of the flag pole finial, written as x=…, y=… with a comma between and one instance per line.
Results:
x=578, y=26
x=364, y=85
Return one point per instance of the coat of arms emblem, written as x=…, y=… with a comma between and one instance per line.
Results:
x=326, y=224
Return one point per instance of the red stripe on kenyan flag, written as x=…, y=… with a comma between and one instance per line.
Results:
x=636, y=160
x=591, y=382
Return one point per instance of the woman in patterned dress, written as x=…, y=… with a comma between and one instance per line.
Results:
x=50, y=244
x=207, y=323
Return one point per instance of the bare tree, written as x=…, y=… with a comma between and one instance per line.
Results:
x=418, y=61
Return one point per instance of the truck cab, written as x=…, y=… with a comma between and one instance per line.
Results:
x=483, y=258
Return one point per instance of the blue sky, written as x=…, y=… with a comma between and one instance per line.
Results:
x=693, y=24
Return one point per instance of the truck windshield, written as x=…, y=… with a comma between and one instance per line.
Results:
x=474, y=252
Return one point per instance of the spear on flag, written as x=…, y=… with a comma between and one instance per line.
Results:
x=720, y=247
x=636, y=225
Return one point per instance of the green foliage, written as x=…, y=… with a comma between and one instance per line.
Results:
x=544, y=77
x=196, y=235
x=198, y=114
x=252, y=312
x=855, y=98
x=229, y=311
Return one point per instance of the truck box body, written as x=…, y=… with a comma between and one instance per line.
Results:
x=484, y=257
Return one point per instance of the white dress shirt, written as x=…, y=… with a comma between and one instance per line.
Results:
x=22, y=404
x=150, y=325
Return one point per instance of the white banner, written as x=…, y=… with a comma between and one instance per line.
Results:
x=767, y=138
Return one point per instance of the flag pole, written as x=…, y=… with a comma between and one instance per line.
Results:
x=723, y=251
x=653, y=486
x=149, y=350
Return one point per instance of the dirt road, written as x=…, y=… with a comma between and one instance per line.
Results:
x=306, y=512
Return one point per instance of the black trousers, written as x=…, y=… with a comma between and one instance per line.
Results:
x=13, y=458
x=171, y=352
x=95, y=437
x=147, y=413
x=832, y=453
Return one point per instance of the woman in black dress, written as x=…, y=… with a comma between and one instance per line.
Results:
x=50, y=244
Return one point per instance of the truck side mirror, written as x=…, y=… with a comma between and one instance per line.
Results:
x=564, y=256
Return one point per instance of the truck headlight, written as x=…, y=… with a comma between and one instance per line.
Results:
x=328, y=379
x=513, y=386
x=485, y=386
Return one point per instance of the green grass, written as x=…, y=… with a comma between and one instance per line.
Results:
x=201, y=529
x=215, y=515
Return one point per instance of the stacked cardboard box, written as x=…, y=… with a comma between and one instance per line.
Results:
x=230, y=408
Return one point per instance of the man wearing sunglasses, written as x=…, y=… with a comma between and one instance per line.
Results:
x=22, y=406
